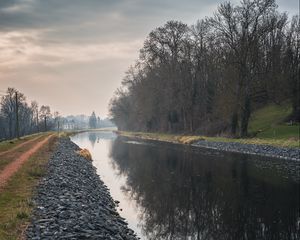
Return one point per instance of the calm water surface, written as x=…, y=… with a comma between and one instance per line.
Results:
x=169, y=191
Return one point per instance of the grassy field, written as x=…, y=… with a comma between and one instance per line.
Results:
x=16, y=197
x=267, y=124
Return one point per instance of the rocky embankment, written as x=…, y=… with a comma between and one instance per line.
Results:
x=73, y=203
x=263, y=150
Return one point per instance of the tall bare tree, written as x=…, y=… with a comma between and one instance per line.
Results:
x=45, y=114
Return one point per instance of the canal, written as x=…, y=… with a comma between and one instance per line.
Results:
x=171, y=191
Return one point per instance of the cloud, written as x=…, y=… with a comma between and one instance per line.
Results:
x=30, y=47
x=13, y=7
x=58, y=32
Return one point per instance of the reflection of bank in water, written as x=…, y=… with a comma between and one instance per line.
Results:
x=97, y=136
x=184, y=192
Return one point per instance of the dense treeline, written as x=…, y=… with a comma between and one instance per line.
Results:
x=19, y=118
x=209, y=77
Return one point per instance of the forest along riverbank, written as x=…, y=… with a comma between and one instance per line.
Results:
x=254, y=149
x=73, y=203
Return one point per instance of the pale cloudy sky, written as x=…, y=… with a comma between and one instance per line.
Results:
x=72, y=54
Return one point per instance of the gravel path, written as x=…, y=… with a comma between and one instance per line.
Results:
x=73, y=203
x=265, y=150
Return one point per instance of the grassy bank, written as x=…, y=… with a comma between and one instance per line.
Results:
x=8, y=144
x=267, y=125
x=16, y=197
x=189, y=139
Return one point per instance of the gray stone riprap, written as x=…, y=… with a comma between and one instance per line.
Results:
x=73, y=203
x=263, y=150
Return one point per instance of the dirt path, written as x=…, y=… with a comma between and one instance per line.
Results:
x=19, y=146
x=13, y=167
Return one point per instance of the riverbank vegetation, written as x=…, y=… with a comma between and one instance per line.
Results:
x=189, y=139
x=267, y=127
x=210, y=78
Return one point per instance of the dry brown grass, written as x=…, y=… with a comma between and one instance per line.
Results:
x=85, y=153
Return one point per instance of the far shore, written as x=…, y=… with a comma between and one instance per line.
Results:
x=278, y=148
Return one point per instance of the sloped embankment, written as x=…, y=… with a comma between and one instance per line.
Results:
x=253, y=149
x=73, y=203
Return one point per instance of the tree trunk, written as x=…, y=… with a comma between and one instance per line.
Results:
x=296, y=113
x=234, y=123
x=191, y=124
x=245, y=98
x=235, y=116
x=296, y=100
x=10, y=127
x=245, y=116
x=45, y=122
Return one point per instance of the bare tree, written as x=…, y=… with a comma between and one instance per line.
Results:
x=45, y=114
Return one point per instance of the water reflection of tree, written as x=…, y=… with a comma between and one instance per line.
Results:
x=188, y=195
x=99, y=135
x=92, y=138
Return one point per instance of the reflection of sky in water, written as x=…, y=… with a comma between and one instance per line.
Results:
x=99, y=144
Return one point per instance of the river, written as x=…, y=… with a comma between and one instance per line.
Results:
x=171, y=191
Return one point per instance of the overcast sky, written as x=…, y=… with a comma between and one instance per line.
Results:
x=72, y=54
